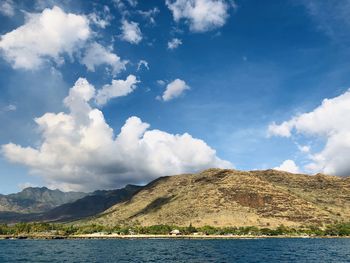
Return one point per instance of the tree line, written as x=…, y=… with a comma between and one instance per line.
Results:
x=339, y=229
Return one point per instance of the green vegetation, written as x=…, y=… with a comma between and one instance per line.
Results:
x=340, y=229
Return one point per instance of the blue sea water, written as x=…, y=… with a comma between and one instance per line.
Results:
x=166, y=250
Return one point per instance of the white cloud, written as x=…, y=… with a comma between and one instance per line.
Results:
x=121, y=3
x=202, y=15
x=96, y=55
x=288, y=166
x=283, y=129
x=174, y=43
x=328, y=118
x=143, y=63
x=98, y=20
x=329, y=121
x=150, y=15
x=331, y=17
x=79, y=150
x=101, y=19
x=117, y=88
x=122, y=7
x=131, y=32
x=39, y=5
x=304, y=148
x=7, y=8
x=48, y=35
x=161, y=82
x=132, y=3
x=53, y=34
x=9, y=107
x=174, y=89
x=26, y=185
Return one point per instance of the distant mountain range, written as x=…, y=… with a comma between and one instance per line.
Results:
x=217, y=197
x=36, y=200
x=79, y=206
x=90, y=205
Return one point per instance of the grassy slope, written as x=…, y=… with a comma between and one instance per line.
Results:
x=234, y=198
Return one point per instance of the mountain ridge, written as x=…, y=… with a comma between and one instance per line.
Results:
x=224, y=197
x=216, y=197
x=89, y=205
x=36, y=200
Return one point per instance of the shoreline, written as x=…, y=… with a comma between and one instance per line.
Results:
x=130, y=237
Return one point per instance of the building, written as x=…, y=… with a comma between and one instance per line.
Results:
x=175, y=232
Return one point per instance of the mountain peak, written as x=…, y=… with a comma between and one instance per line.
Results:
x=36, y=199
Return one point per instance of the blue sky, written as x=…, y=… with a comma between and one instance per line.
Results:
x=255, y=64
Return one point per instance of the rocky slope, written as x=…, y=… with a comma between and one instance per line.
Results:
x=235, y=198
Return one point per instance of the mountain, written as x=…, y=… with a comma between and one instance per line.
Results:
x=36, y=200
x=88, y=205
x=217, y=197
x=235, y=198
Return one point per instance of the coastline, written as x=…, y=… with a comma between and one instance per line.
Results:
x=141, y=236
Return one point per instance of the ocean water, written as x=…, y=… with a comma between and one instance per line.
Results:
x=166, y=250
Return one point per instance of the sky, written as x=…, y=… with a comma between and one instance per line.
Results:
x=99, y=94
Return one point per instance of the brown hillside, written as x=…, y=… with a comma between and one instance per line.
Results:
x=235, y=198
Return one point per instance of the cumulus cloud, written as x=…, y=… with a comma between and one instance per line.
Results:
x=80, y=151
x=288, y=166
x=47, y=35
x=96, y=55
x=174, y=43
x=283, y=129
x=117, y=88
x=174, y=89
x=329, y=121
x=7, y=8
x=131, y=32
x=201, y=15
x=51, y=35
